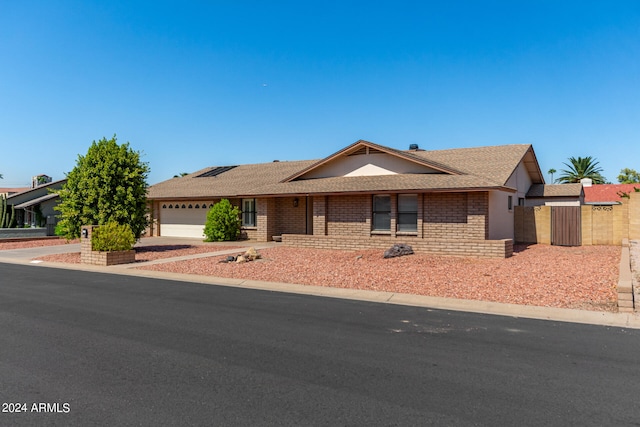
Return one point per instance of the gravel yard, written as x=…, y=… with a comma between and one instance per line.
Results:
x=542, y=275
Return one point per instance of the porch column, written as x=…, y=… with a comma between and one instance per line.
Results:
x=320, y=216
x=394, y=214
x=420, y=215
x=478, y=215
x=265, y=219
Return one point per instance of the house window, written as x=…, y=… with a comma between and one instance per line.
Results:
x=408, y=212
x=510, y=203
x=248, y=212
x=520, y=201
x=382, y=212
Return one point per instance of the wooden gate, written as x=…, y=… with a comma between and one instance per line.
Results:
x=566, y=226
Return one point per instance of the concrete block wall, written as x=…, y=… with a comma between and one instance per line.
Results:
x=600, y=225
x=634, y=216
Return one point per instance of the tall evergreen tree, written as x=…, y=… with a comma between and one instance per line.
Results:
x=107, y=184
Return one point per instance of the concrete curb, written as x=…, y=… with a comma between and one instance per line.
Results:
x=625, y=282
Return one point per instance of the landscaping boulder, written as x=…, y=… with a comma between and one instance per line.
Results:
x=251, y=254
x=399, y=249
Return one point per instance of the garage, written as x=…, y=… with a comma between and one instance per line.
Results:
x=183, y=219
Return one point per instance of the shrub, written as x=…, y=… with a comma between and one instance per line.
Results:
x=112, y=237
x=223, y=222
x=107, y=184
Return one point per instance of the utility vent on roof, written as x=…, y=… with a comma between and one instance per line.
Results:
x=215, y=171
x=365, y=150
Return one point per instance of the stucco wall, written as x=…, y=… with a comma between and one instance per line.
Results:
x=368, y=165
x=501, y=218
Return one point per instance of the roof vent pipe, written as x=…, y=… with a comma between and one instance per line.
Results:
x=413, y=147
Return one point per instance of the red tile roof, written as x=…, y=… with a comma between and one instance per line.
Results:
x=607, y=193
x=12, y=190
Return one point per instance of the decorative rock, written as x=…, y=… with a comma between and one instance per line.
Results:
x=399, y=249
x=241, y=259
x=251, y=254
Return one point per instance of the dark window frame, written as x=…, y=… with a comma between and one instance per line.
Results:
x=249, y=217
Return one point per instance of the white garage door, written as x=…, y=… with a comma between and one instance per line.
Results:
x=183, y=220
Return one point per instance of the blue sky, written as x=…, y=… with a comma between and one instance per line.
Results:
x=194, y=84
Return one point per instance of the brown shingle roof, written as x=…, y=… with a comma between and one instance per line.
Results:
x=462, y=169
x=366, y=184
x=243, y=179
x=554, y=190
x=495, y=163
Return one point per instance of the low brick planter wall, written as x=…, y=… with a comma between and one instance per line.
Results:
x=108, y=258
x=89, y=256
x=480, y=248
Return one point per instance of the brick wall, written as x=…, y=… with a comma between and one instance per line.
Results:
x=348, y=216
x=445, y=215
x=265, y=219
x=320, y=216
x=462, y=215
x=289, y=217
x=459, y=247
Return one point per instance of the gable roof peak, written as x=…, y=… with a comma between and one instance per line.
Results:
x=377, y=148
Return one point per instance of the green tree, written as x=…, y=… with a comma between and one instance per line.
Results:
x=628, y=176
x=108, y=184
x=223, y=222
x=551, y=172
x=579, y=168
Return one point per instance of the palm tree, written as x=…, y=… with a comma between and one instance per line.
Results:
x=551, y=172
x=581, y=167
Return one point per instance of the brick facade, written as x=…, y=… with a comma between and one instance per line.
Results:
x=447, y=223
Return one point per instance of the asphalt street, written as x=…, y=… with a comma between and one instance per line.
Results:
x=87, y=348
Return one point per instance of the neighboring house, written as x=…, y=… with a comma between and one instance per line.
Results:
x=555, y=195
x=457, y=201
x=8, y=191
x=34, y=206
x=607, y=194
